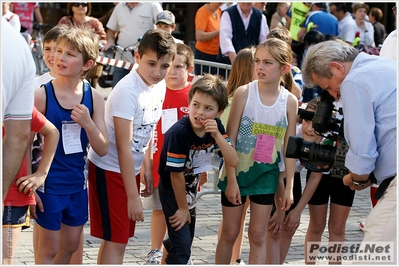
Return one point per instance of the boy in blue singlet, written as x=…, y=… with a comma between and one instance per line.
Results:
x=77, y=111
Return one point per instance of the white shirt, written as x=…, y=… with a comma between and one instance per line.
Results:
x=18, y=74
x=347, y=28
x=366, y=36
x=45, y=78
x=13, y=19
x=133, y=100
x=226, y=31
x=133, y=23
x=389, y=48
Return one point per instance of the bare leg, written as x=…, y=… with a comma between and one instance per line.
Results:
x=259, y=218
x=48, y=243
x=285, y=243
x=77, y=256
x=336, y=224
x=70, y=237
x=317, y=223
x=158, y=229
x=229, y=233
x=111, y=253
x=10, y=240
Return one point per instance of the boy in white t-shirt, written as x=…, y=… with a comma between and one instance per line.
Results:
x=49, y=46
x=132, y=111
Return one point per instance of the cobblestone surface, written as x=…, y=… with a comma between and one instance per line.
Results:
x=204, y=245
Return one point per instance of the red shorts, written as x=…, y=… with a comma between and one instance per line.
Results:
x=108, y=205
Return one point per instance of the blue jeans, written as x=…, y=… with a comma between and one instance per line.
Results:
x=119, y=73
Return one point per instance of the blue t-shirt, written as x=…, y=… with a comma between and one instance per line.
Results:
x=326, y=23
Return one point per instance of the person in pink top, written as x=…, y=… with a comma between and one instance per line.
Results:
x=27, y=12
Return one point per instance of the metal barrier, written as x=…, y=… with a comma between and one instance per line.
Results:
x=218, y=66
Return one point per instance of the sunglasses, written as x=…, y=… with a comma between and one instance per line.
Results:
x=79, y=4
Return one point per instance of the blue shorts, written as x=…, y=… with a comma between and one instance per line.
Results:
x=69, y=209
x=16, y=217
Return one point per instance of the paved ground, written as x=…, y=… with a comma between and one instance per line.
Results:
x=204, y=245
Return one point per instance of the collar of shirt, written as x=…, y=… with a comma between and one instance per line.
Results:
x=245, y=19
x=242, y=14
x=131, y=8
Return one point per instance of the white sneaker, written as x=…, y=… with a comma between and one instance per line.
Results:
x=190, y=262
x=154, y=257
x=238, y=262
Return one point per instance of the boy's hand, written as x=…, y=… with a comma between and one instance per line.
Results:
x=180, y=218
x=149, y=185
x=29, y=183
x=233, y=193
x=211, y=126
x=135, y=209
x=39, y=205
x=81, y=115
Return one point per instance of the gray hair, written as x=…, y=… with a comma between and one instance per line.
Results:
x=320, y=55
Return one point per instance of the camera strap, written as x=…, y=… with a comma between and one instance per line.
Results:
x=382, y=187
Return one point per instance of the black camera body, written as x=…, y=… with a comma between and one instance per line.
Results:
x=311, y=155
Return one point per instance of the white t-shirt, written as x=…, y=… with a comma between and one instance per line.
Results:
x=45, y=78
x=133, y=100
x=132, y=24
x=347, y=28
x=366, y=36
x=389, y=48
x=18, y=74
x=13, y=19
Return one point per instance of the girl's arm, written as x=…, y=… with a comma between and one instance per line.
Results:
x=95, y=127
x=123, y=138
x=233, y=123
x=292, y=113
x=182, y=215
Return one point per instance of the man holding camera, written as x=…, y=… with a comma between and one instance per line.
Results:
x=367, y=86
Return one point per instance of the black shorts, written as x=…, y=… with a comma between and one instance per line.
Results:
x=16, y=217
x=265, y=199
x=333, y=189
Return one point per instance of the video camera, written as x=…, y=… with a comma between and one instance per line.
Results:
x=324, y=120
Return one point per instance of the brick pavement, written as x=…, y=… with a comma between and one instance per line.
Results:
x=204, y=245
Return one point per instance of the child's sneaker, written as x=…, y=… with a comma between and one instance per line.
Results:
x=238, y=262
x=154, y=257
